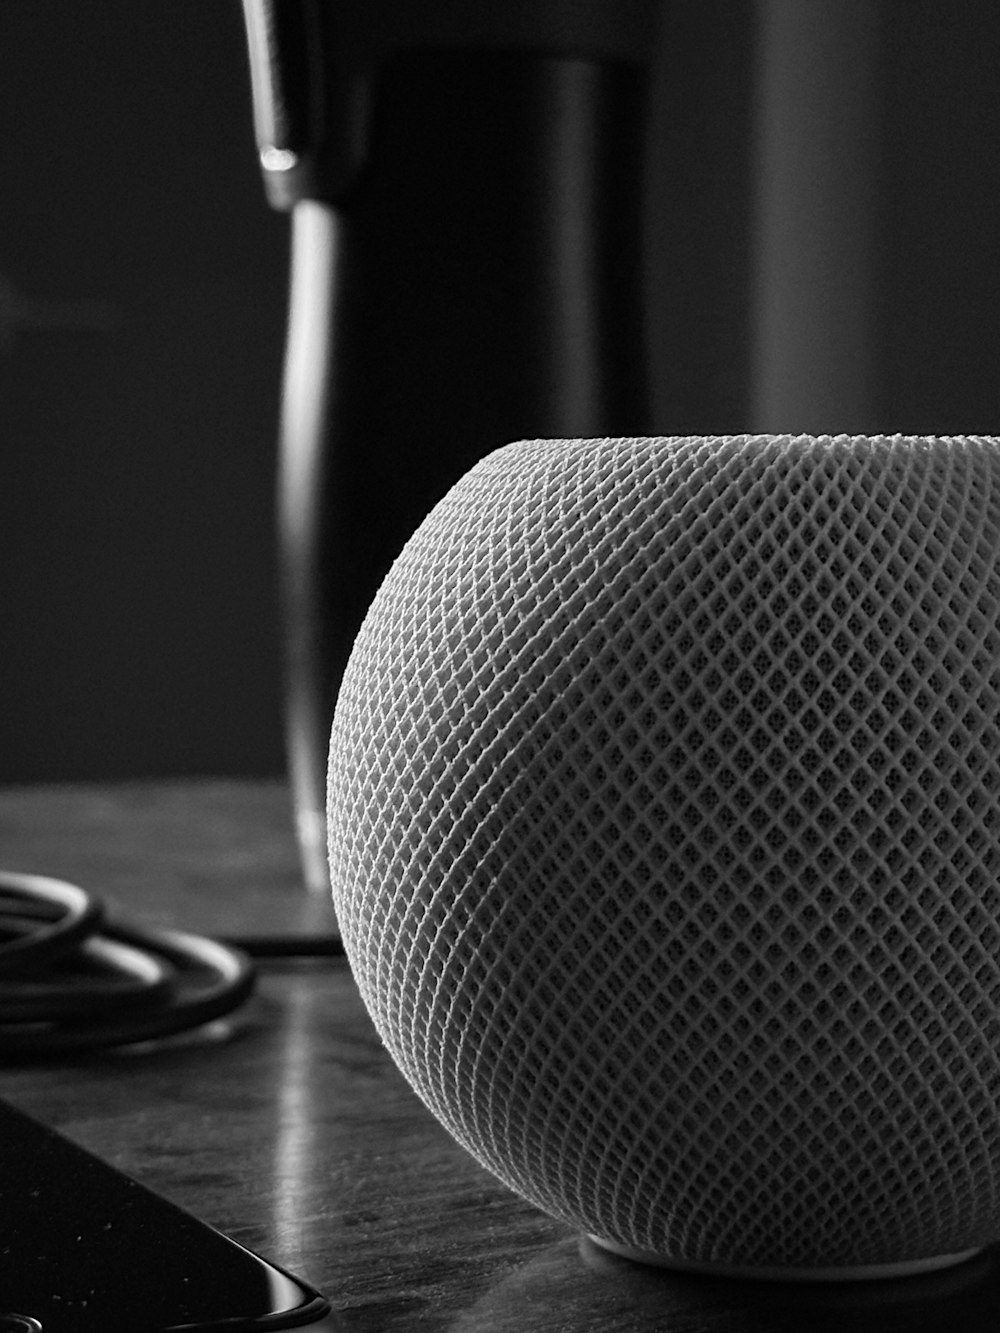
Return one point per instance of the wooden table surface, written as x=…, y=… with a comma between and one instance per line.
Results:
x=292, y=1131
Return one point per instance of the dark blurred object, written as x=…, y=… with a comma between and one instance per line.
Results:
x=143, y=1262
x=467, y=268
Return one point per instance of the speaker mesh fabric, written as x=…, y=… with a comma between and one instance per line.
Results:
x=664, y=813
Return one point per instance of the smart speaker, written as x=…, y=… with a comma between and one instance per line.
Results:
x=664, y=815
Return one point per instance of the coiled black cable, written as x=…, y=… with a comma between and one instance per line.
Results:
x=71, y=980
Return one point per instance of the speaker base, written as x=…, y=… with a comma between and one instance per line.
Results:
x=860, y=1272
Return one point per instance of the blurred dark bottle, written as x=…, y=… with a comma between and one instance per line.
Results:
x=465, y=181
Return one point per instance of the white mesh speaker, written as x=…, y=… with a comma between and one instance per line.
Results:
x=665, y=840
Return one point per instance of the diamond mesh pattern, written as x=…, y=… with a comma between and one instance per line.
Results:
x=664, y=814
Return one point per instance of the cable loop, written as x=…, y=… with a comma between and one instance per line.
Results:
x=68, y=913
x=71, y=981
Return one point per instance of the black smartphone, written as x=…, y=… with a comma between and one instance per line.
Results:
x=86, y=1249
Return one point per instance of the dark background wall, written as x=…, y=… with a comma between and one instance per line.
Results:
x=141, y=326
x=822, y=256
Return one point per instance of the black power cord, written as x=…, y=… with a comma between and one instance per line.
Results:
x=71, y=980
